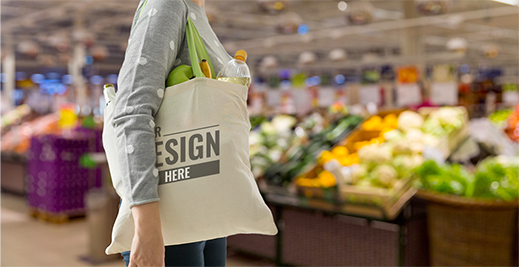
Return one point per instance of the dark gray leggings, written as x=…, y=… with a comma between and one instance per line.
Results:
x=205, y=253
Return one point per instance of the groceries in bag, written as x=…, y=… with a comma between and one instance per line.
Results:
x=184, y=73
x=180, y=74
x=236, y=70
x=206, y=69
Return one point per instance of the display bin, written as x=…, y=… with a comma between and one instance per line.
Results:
x=313, y=233
x=319, y=239
x=389, y=201
x=374, y=202
x=13, y=172
x=471, y=232
x=56, y=183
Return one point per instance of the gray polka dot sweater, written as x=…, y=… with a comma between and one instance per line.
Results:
x=156, y=46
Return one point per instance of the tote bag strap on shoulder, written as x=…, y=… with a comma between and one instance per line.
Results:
x=197, y=50
x=196, y=46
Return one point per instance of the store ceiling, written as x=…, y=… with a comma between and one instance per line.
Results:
x=241, y=25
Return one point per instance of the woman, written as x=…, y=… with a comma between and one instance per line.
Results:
x=156, y=46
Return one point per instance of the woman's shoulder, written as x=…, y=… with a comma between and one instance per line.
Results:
x=169, y=7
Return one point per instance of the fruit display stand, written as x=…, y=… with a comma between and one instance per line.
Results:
x=388, y=199
x=377, y=226
x=371, y=202
x=17, y=128
x=471, y=232
x=56, y=181
x=319, y=232
x=471, y=211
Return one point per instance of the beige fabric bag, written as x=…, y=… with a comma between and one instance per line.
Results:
x=206, y=187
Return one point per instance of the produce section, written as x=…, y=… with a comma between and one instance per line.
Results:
x=284, y=147
x=373, y=165
x=382, y=133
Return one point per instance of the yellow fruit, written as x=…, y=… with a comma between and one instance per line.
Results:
x=360, y=144
x=340, y=151
x=354, y=158
x=325, y=156
x=389, y=117
x=390, y=120
x=386, y=129
x=325, y=175
x=367, y=126
x=377, y=140
x=301, y=181
x=376, y=119
x=326, y=184
x=345, y=161
x=326, y=179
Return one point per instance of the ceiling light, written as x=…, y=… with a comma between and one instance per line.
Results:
x=303, y=29
x=342, y=5
x=307, y=58
x=338, y=55
x=457, y=44
x=509, y=2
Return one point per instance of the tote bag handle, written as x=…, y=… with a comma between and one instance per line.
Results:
x=197, y=50
x=196, y=47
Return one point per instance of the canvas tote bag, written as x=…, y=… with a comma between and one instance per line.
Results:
x=206, y=187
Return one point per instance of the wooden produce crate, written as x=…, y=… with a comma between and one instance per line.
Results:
x=370, y=202
x=384, y=112
x=356, y=136
x=363, y=201
x=391, y=201
x=330, y=193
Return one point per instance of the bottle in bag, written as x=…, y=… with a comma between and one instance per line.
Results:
x=236, y=70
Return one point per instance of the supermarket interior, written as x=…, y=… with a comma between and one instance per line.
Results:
x=383, y=133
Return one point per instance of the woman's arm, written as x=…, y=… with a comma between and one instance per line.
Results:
x=147, y=244
x=152, y=49
x=153, y=46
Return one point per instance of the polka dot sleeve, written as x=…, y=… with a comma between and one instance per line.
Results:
x=154, y=44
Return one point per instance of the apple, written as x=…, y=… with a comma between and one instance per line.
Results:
x=180, y=74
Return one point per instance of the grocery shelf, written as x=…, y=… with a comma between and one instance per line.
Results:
x=371, y=212
x=317, y=232
x=13, y=157
x=13, y=172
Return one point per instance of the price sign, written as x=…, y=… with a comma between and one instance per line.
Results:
x=408, y=94
x=444, y=93
x=511, y=97
x=302, y=100
x=326, y=96
x=369, y=94
x=273, y=98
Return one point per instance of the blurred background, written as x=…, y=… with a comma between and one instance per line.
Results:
x=384, y=132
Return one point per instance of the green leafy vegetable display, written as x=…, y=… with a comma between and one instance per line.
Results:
x=494, y=178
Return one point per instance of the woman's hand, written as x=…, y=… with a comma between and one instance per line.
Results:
x=147, y=245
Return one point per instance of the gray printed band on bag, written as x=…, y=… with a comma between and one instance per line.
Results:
x=189, y=172
x=179, y=154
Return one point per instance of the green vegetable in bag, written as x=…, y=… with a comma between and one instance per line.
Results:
x=180, y=74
